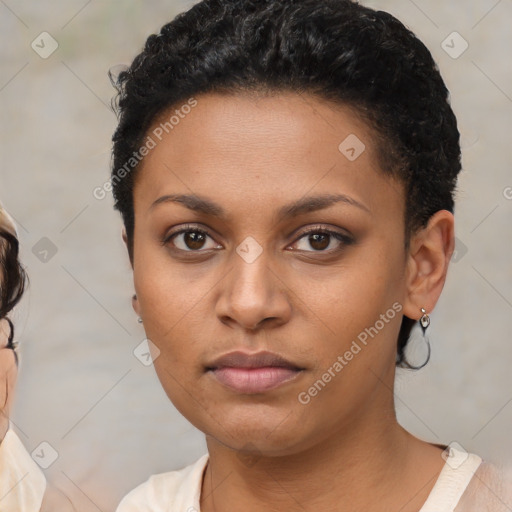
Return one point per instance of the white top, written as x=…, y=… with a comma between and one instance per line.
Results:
x=452, y=482
x=180, y=491
x=465, y=484
x=22, y=483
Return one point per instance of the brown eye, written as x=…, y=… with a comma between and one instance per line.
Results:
x=189, y=239
x=321, y=239
x=194, y=240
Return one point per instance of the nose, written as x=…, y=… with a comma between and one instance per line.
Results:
x=253, y=294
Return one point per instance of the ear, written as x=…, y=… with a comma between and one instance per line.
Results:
x=429, y=256
x=125, y=240
x=135, y=301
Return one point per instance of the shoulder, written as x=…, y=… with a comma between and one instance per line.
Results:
x=21, y=480
x=490, y=490
x=180, y=489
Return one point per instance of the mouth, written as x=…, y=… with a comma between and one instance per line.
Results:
x=253, y=373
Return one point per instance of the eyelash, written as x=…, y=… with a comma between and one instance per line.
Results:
x=343, y=239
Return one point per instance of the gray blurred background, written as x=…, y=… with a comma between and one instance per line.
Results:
x=81, y=389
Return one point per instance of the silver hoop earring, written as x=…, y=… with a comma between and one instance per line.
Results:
x=424, y=322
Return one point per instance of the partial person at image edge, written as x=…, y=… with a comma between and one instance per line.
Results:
x=22, y=483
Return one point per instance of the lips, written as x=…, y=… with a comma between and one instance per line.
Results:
x=256, y=360
x=253, y=373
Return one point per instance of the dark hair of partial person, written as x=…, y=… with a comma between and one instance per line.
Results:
x=336, y=50
x=12, y=279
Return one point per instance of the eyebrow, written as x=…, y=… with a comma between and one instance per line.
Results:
x=304, y=205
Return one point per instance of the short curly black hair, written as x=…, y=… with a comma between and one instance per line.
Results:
x=335, y=49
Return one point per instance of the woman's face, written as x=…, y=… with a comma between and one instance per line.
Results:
x=253, y=171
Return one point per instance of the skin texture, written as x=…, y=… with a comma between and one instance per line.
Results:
x=306, y=300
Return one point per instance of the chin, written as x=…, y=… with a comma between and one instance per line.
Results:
x=261, y=430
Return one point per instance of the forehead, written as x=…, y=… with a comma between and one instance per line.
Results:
x=248, y=149
x=244, y=122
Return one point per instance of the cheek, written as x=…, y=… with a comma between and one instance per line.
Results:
x=172, y=304
x=164, y=291
x=359, y=312
x=357, y=293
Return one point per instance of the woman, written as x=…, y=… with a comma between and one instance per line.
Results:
x=285, y=172
x=22, y=483
x=23, y=486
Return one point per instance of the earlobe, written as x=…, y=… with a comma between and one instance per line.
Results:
x=429, y=257
x=125, y=238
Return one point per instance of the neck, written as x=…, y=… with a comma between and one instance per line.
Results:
x=373, y=464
